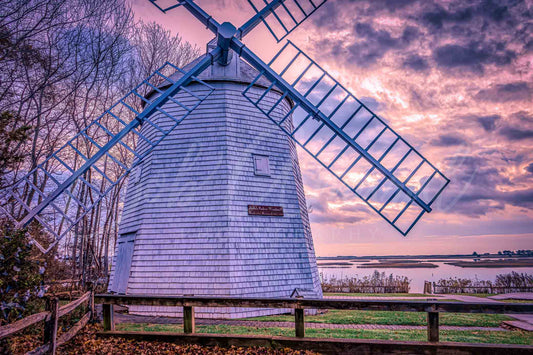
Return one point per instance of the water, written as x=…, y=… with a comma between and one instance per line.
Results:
x=419, y=275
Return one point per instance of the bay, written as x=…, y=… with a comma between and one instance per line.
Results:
x=419, y=275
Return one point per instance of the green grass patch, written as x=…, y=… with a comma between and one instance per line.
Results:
x=144, y=327
x=394, y=318
x=509, y=337
x=516, y=301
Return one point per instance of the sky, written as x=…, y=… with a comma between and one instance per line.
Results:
x=454, y=78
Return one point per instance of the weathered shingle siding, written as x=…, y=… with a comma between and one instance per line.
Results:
x=189, y=209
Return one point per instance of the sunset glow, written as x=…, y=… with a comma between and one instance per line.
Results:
x=453, y=78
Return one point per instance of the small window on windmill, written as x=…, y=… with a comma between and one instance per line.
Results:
x=136, y=175
x=261, y=165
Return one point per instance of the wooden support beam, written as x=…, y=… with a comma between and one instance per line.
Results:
x=299, y=325
x=50, y=325
x=188, y=320
x=433, y=327
x=66, y=309
x=92, y=308
x=74, y=330
x=12, y=328
x=363, y=305
x=109, y=321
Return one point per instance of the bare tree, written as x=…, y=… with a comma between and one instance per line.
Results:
x=63, y=63
x=154, y=46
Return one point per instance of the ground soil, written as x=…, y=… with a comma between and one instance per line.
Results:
x=88, y=343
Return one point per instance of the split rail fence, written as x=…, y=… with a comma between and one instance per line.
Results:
x=364, y=289
x=432, y=308
x=51, y=317
x=445, y=289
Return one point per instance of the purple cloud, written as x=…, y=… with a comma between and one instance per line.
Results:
x=516, y=91
x=447, y=140
x=488, y=122
x=416, y=62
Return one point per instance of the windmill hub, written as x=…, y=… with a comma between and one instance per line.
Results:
x=226, y=32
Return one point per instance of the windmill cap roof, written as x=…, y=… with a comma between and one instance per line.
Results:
x=237, y=71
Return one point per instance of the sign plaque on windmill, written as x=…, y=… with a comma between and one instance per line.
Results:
x=257, y=210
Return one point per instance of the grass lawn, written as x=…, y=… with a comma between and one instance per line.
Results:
x=510, y=337
x=395, y=318
x=517, y=301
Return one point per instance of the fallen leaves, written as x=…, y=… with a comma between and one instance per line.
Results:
x=86, y=342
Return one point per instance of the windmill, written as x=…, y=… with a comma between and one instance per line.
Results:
x=295, y=102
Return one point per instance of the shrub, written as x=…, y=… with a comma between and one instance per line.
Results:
x=377, y=283
x=21, y=277
x=505, y=283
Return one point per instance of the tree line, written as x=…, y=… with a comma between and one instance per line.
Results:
x=62, y=63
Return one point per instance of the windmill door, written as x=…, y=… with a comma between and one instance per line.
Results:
x=123, y=263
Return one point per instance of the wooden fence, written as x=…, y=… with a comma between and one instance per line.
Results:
x=432, y=308
x=445, y=289
x=51, y=317
x=364, y=288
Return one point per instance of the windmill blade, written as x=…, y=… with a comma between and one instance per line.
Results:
x=285, y=16
x=347, y=138
x=98, y=158
x=161, y=6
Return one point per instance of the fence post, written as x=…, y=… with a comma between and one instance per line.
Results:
x=109, y=321
x=299, y=324
x=188, y=320
x=91, y=302
x=427, y=288
x=50, y=325
x=92, y=307
x=433, y=327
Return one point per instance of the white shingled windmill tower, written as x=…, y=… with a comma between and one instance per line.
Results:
x=215, y=202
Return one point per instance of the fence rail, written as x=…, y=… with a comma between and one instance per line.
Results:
x=51, y=317
x=443, y=289
x=432, y=308
x=364, y=289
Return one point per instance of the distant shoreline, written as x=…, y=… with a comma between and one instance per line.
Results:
x=493, y=263
x=398, y=265
x=335, y=264
x=426, y=257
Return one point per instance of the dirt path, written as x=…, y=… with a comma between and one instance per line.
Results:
x=131, y=318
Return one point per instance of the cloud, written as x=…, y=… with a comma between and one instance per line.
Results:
x=372, y=45
x=479, y=187
x=520, y=198
x=416, y=62
x=447, y=140
x=522, y=116
x=439, y=16
x=516, y=133
x=529, y=168
x=515, y=91
x=344, y=213
x=472, y=56
x=488, y=122
x=436, y=46
x=476, y=187
x=373, y=104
